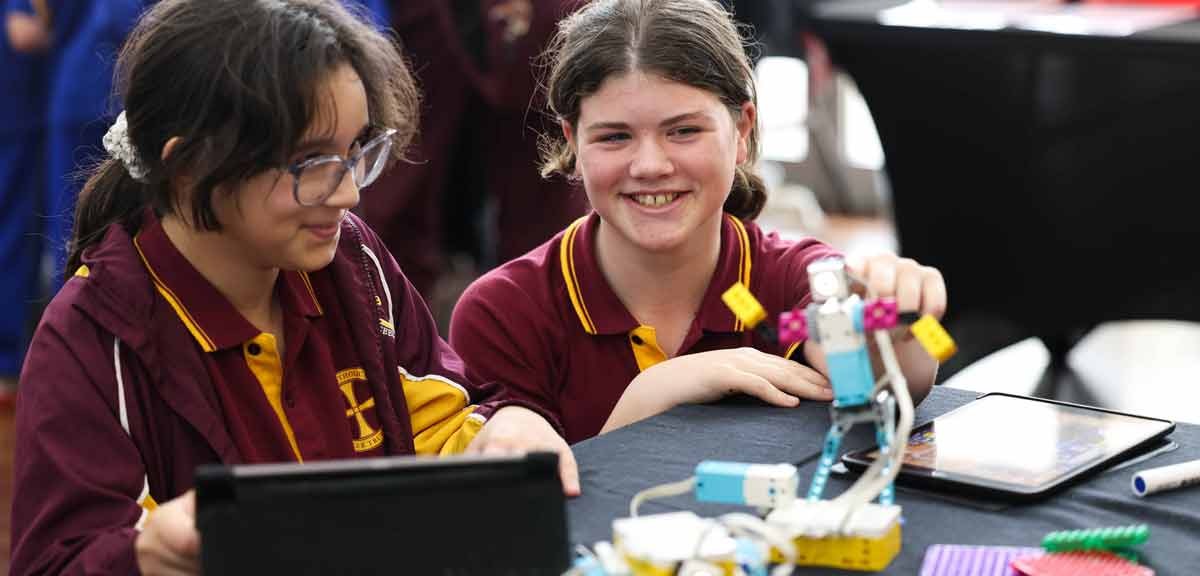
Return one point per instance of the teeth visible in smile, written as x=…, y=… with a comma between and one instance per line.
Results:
x=655, y=199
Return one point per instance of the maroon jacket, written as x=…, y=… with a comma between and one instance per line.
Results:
x=85, y=453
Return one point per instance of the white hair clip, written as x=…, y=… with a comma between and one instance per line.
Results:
x=117, y=142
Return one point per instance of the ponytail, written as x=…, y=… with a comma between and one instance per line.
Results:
x=111, y=195
x=748, y=196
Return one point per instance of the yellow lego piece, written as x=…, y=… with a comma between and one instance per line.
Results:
x=933, y=338
x=848, y=552
x=868, y=540
x=744, y=305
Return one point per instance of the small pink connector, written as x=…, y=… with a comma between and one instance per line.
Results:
x=879, y=314
x=793, y=327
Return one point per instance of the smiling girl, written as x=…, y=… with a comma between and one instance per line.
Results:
x=225, y=306
x=619, y=317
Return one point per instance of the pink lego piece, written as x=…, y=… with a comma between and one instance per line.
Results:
x=793, y=327
x=1092, y=563
x=879, y=314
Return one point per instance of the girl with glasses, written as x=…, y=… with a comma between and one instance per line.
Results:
x=224, y=305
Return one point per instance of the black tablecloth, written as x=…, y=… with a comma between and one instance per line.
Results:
x=666, y=448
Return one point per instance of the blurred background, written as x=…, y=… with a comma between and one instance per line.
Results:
x=1041, y=154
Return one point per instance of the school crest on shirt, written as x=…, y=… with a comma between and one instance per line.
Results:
x=368, y=438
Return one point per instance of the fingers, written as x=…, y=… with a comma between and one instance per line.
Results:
x=169, y=543
x=933, y=294
x=182, y=535
x=759, y=387
x=879, y=274
x=908, y=281
x=804, y=382
x=514, y=430
x=915, y=287
x=568, y=471
x=775, y=379
x=777, y=369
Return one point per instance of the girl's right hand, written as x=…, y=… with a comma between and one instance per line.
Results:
x=710, y=376
x=169, y=543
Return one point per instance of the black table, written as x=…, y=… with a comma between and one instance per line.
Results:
x=666, y=448
x=1050, y=176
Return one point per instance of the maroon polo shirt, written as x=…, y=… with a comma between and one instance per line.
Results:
x=550, y=328
x=312, y=404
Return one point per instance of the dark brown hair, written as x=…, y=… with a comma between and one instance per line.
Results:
x=693, y=42
x=239, y=82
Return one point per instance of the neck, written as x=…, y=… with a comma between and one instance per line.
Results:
x=250, y=287
x=661, y=289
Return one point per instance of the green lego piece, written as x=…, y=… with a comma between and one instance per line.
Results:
x=1110, y=539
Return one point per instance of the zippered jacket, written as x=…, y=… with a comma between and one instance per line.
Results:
x=115, y=408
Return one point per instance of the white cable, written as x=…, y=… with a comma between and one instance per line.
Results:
x=660, y=491
x=873, y=480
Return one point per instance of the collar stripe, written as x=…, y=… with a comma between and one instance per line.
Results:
x=198, y=333
x=566, y=252
x=744, y=262
x=312, y=293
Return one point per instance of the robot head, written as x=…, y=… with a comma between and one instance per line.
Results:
x=827, y=278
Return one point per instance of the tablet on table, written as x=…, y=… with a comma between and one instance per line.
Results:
x=1018, y=447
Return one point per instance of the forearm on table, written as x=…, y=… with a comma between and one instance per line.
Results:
x=650, y=393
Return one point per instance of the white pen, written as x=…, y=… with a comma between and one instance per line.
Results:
x=1166, y=478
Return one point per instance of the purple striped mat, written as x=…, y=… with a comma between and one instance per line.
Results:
x=961, y=560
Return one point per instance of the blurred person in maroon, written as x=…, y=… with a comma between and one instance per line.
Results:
x=476, y=64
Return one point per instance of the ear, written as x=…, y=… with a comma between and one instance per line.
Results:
x=168, y=148
x=569, y=135
x=745, y=127
x=181, y=184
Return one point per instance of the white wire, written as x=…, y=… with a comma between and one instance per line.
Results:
x=873, y=480
x=660, y=491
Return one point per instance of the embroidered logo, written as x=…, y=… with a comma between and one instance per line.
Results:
x=386, y=328
x=368, y=438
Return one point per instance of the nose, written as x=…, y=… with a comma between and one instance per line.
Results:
x=650, y=160
x=346, y=194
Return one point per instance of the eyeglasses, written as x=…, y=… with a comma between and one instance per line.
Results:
x=316, y=179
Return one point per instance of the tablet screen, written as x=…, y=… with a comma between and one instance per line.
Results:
x=1021, y=444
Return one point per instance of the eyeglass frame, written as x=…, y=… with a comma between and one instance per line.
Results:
x=348, y=165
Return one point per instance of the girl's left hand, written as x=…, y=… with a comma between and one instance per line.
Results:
x=516, y=429
x=916, y=288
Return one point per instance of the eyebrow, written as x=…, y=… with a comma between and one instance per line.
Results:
x=668, y=122
x=309, y=145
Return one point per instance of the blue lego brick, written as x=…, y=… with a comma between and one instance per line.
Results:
x=851, y=376
x=721, y=482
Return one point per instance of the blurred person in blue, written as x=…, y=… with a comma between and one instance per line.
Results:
x=84, y=40
x=379, y=10
x=22, y=130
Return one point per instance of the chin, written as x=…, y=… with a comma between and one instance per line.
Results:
x=659, y=241
x=313, y=261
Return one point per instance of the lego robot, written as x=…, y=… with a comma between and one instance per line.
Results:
x=840, y=320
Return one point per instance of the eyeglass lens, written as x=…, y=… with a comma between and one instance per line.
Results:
x=319, y=180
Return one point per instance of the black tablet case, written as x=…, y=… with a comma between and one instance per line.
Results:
x=402, y=515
